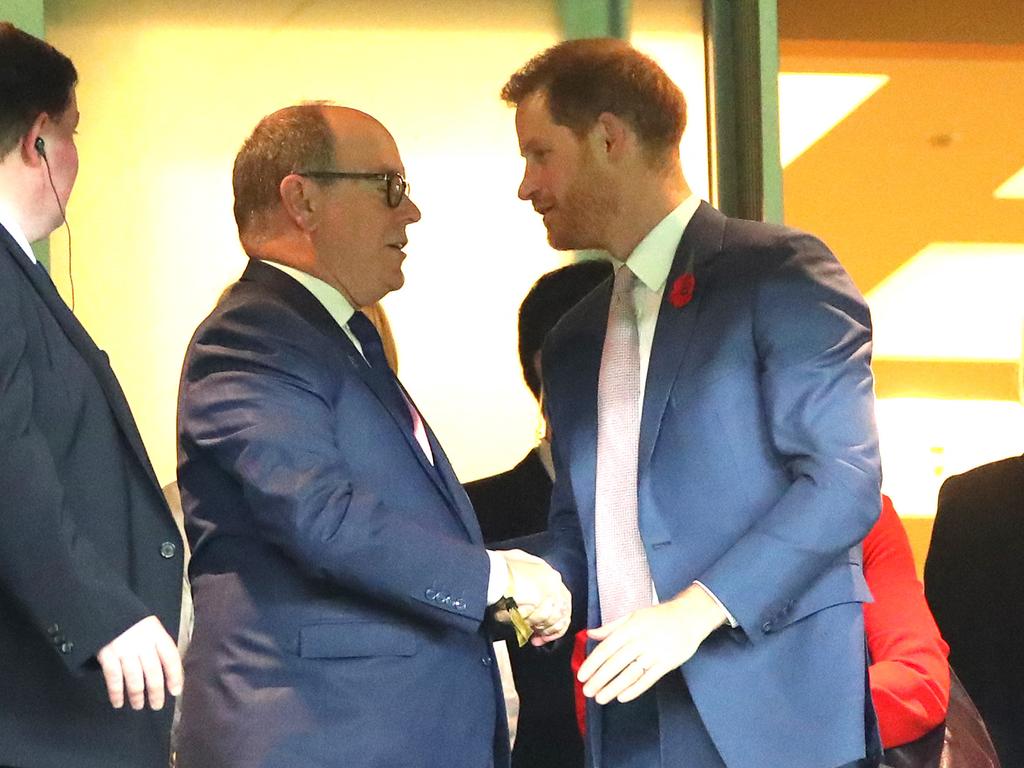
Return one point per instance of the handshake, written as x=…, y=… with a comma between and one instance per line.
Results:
x=542, y=607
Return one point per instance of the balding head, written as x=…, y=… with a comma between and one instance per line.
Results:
x=321, y=188
x=292, y=138
x=355, y=133
x=313, y=136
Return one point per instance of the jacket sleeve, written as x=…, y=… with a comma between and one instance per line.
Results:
x=47, y=566
x=812, y=335
x=253, y=405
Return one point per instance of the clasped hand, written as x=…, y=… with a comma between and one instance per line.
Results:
x=543, y=600
x=637, y=650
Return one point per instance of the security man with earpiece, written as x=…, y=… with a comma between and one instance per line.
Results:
x=90, y=557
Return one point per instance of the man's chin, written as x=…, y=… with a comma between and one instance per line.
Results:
x=562, y=243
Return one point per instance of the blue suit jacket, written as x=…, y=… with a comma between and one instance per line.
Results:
x=758, y=475
x=88, y=546
x=339, y=579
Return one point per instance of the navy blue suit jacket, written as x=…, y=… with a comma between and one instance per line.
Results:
x=88, y=546
x=339, y=579
x=758, y=476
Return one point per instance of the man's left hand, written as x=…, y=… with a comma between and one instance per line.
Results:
x=637, y=650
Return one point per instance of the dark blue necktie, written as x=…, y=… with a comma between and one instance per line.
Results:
x=373, y=351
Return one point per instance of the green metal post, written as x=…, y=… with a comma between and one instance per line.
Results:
x=594, y=18
x=742, y=54
x=26, y=15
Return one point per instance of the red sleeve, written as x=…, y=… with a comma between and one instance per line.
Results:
x=910, y=670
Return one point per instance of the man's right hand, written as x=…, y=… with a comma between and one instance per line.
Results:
x=543, y=599
x=142, y=660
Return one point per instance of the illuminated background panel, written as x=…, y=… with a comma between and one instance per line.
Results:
x=918, y=190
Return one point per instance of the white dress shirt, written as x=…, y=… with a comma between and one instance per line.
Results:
x=10, y=223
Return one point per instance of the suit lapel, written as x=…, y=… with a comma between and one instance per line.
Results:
x=449, y=481
x=316, y=315
x=440, y=471
x=86, y=347
x=701, y=240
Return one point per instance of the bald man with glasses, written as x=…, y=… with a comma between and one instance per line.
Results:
x=340, y=580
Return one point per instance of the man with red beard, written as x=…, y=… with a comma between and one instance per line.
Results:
x=716, y=460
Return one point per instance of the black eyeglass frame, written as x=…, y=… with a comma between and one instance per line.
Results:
x=397, y=188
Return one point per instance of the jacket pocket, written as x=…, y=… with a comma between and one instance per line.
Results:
x=843, y=583
x=354, y=639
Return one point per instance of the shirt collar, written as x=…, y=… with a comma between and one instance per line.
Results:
x=10, y=223
x=337, y=306
x=652, y=258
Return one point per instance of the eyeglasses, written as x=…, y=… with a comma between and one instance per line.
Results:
x=397, y=186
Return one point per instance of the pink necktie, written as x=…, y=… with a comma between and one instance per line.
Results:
x=623, y=577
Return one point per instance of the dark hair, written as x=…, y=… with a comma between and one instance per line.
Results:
x=549, y=299
x=583, y=78
x=34, y=78
x=291, y=139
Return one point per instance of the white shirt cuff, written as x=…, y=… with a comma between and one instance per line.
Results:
x=728, y=616
x=497, y=581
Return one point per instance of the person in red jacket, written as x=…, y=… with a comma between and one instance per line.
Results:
x=909, y=672
x=910, y=669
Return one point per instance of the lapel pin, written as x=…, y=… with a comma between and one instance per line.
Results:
x=682, y=290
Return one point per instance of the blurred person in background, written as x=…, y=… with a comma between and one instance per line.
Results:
x=974, y=581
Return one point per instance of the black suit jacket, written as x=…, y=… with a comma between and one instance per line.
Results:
x=511, y=505
x=88, y=546
x=514, y=503
x=974, y=582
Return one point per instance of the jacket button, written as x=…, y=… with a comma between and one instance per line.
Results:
x=167, y=550
x=766, y=627
x=486, y=661
x=67, y=647
x=53, y=630
x=430, y=593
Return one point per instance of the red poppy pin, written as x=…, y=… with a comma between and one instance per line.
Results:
x=682, y=290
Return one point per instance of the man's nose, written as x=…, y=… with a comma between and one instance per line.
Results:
x=411, y=212
x=527, y=187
